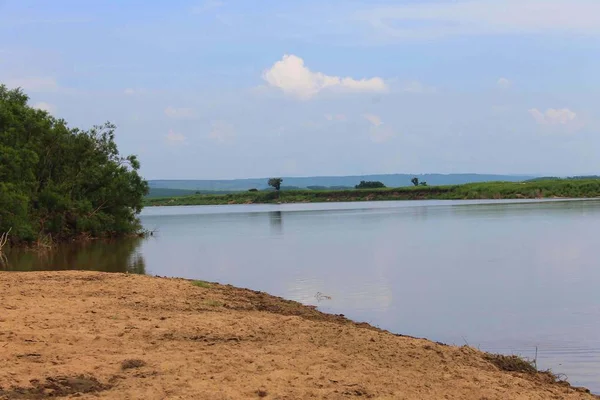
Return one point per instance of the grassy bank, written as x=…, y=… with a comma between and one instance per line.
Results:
x=584, y=188
x=121, y=336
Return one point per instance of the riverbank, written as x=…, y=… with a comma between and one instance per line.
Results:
x=568, y=188
x=115, y=336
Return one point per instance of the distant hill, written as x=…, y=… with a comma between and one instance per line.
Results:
x=390, y=180
x=555, y=178
x=155, y=192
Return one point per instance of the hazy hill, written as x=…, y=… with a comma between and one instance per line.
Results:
x=390, y=180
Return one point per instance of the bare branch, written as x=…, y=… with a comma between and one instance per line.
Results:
x=4, y=239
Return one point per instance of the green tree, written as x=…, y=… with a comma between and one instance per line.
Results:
x=63, y=182
x=415, y=181
x=369, y=185
x=275, y=183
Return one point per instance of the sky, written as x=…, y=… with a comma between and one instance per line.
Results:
x=224, y=89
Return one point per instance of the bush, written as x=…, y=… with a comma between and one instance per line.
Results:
x=369, y=185
x=63, y=182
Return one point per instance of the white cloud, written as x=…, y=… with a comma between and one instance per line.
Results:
x=468, y=17
x=207, y=6
x=50, y=108
x=34, y=84
x=553, y=116
x=173, y=112
x=503, y=83
x=222, y=132
x=378, y=132
x=129, y=92
x=175, y=138
x=295, y=79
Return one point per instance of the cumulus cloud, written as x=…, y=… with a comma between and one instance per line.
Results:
x=295, y=79
x=553, y=116
x=222, y=132
x=175, y=138
x=173, y=112
x=42, y=105
x=503, y=83
x=34, y=84
x=378, y=132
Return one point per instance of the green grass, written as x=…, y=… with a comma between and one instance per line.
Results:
x=201, y=284
x=213, y=303
x=565, y=188
x=160, y=192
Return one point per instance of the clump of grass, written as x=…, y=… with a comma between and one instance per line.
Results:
x=519, y=364
x=511, y=363
x=201, y=284
x=132, y=363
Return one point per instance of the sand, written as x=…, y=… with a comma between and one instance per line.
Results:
x=90, y=335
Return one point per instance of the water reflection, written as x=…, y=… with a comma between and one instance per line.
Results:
x=276, y=219
x=106, y=256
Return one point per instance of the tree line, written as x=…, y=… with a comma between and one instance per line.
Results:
x=275, y=183
x=58, y=182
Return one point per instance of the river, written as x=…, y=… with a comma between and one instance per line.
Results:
x=503, y=276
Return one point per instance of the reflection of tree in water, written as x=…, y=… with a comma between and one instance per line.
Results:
x=420, y=212
x=276, y=218
x=108, y=256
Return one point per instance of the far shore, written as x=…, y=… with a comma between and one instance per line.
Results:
x=548, y=189
x=95, y=335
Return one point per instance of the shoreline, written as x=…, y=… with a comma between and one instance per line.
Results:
x=112, y=335
x=467, y=201
x=176, y=203
x=550, y=189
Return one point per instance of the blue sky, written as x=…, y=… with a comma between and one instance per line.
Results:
x=234, y=89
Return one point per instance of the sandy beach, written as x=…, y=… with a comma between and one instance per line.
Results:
x=90, y=335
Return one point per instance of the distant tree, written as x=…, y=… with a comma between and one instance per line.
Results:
x=369, y=185
x=275, y=183
x=253, y=190
x=415, y=181
x=422, y=183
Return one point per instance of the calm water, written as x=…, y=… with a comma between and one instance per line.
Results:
x=502, y=276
